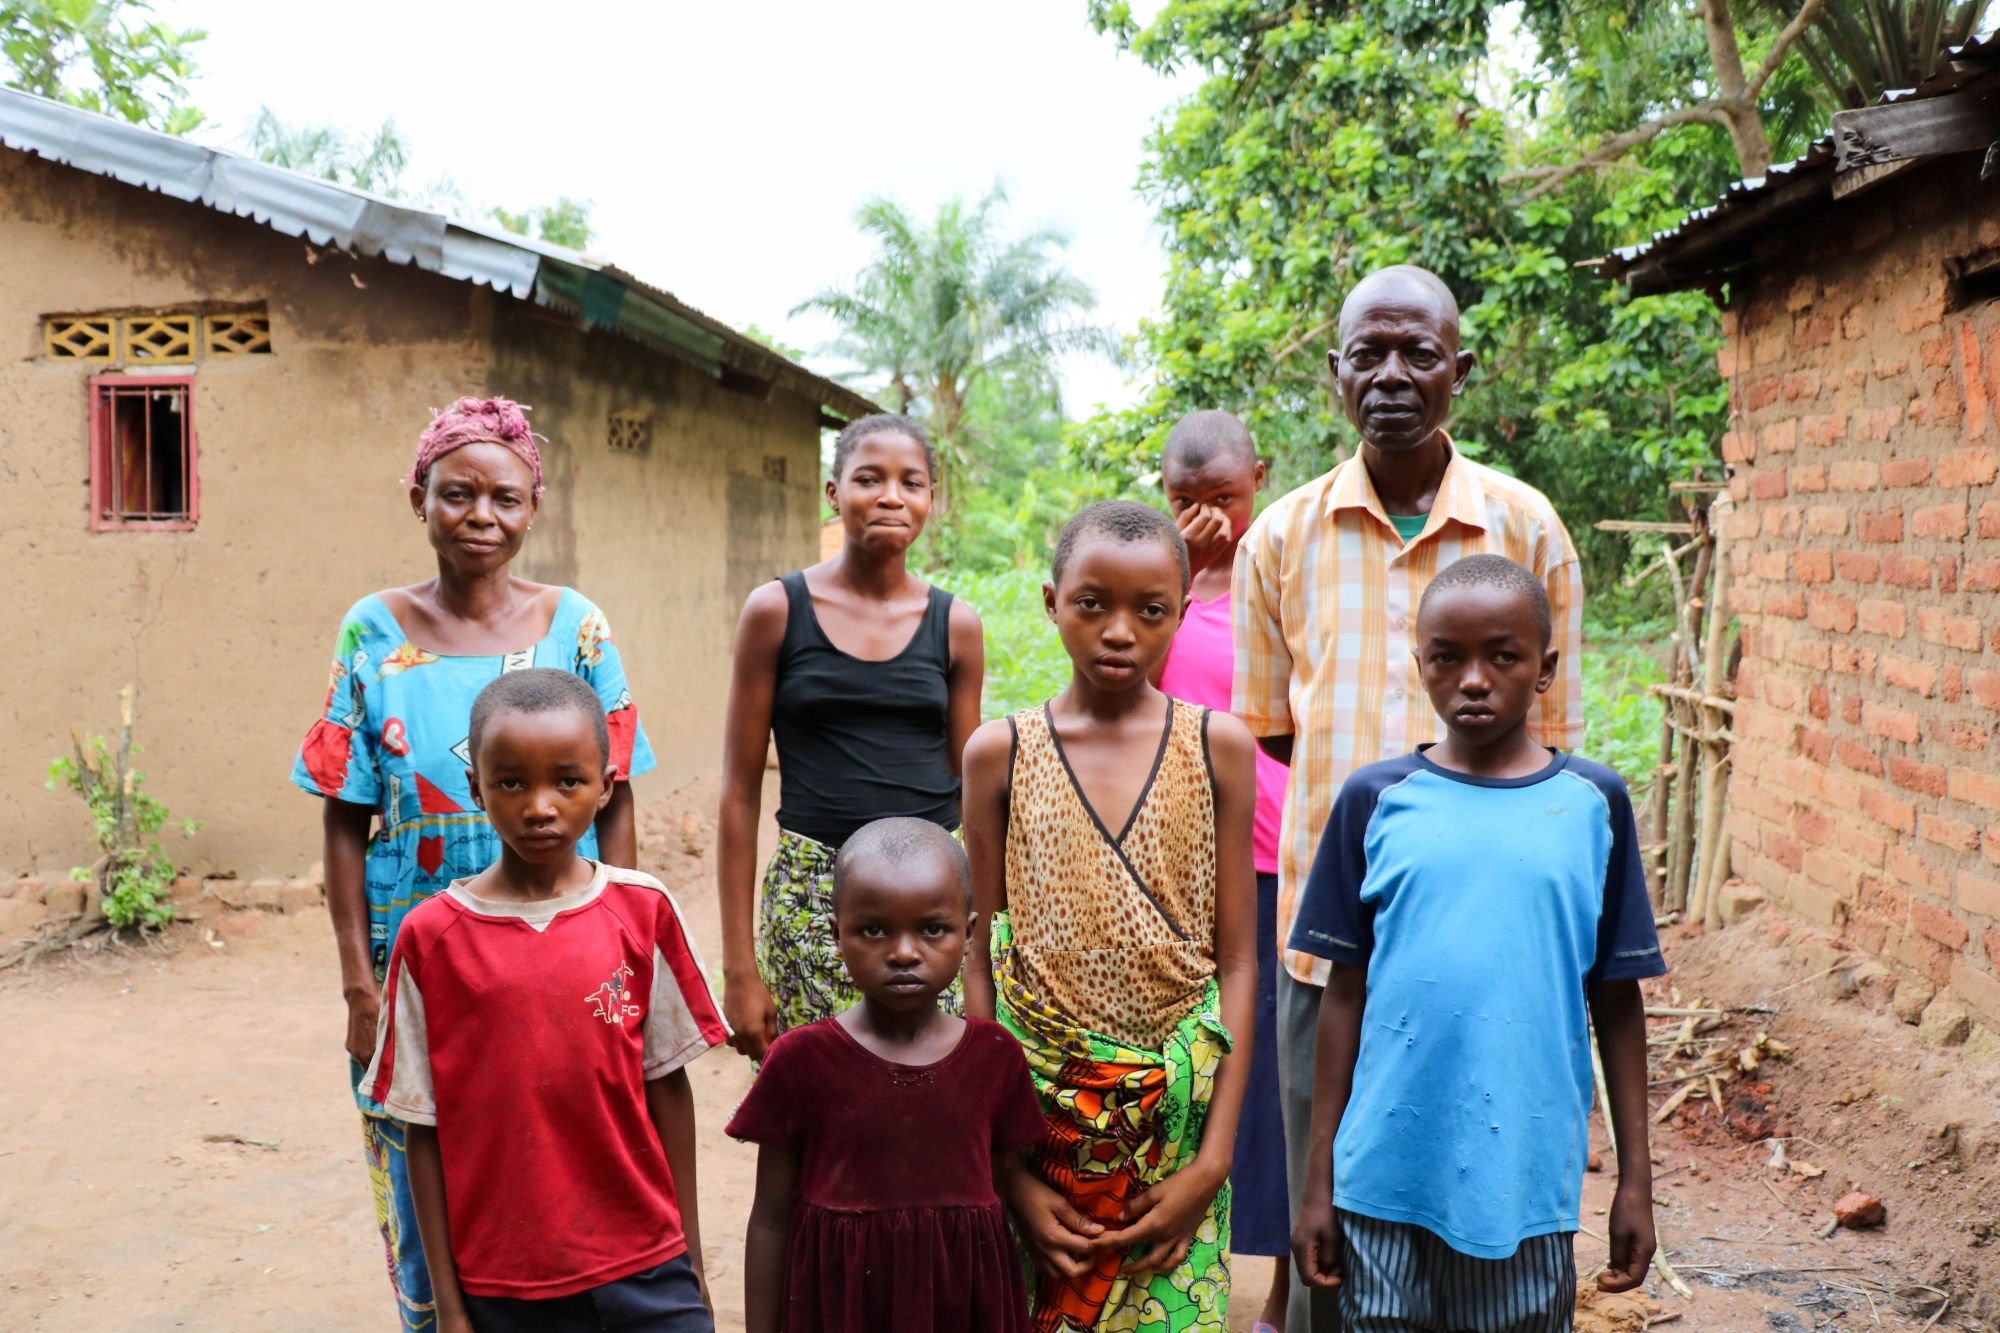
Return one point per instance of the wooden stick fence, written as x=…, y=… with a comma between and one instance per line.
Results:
x=1690, y=789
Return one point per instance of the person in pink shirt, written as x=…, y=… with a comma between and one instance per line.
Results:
x=1212, y=475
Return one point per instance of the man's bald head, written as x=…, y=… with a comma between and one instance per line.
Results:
x=1400, y=284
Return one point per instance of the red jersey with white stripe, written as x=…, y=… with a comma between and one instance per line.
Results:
x=526, y=1032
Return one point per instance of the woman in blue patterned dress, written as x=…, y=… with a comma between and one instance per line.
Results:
x=389, y=752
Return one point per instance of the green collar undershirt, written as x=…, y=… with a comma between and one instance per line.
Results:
x=1408, y=526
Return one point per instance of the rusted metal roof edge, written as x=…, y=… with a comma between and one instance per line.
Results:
x=328, y=213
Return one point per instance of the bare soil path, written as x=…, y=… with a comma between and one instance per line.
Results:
x=176, y=1148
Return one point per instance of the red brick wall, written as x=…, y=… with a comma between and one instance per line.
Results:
x=1866, y=558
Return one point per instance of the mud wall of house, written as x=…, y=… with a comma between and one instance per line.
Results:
x=227, y=630
x=1866, y=558
x=670, y=540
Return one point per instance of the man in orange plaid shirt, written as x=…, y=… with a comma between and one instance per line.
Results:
x=1326, y=588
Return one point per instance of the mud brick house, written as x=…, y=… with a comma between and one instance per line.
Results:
x=1863, y=357
x=214, y=374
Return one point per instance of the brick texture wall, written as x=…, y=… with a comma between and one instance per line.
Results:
x=1865, y=552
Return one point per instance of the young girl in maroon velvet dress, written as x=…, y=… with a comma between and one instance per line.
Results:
x=883, y=1130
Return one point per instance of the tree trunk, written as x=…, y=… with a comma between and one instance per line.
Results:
x=947, y=418
x=1732, y=88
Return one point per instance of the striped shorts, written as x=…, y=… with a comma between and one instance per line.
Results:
x=1400, y=1278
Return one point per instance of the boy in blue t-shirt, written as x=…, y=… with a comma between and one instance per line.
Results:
x=1475, y=898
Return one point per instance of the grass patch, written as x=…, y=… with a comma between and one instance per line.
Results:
x=1621, y=720
x=1025, y=662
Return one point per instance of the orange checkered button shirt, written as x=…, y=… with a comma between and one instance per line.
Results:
x=1325, y=594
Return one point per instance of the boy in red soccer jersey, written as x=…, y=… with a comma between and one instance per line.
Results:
x=535, y=1028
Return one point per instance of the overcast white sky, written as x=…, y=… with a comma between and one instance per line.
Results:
x=726, y=146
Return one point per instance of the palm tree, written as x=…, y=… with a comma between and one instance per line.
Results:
x=1860, y=49
x=374, y=164
x=941, y=308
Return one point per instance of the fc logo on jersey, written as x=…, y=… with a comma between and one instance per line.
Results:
x=611, y=1000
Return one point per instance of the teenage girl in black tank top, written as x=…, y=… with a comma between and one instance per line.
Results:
x=869, y=679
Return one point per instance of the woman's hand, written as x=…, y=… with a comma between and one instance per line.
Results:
x=1207, y=532
x=752, y=1015
x=1164, y=1218
x=364, y=1017
x=1060, y=1240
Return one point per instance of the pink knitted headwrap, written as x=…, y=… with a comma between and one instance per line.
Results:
x=479, y=421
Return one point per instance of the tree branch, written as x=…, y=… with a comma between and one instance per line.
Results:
x=1614, y=146
x=1807, y=16
x=1284, y=353
x=1537, y=173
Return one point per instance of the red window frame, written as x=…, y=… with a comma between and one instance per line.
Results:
x=106, y=515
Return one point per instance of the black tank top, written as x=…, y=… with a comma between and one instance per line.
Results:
x=857, y=740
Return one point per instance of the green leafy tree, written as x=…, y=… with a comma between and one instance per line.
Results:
x=774, y=342
x=943, y=311
x=108, y=56
x=1632, y=70
x=1330, y=139
x=566, y=222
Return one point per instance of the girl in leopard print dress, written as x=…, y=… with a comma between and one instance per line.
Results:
x=1123, y=961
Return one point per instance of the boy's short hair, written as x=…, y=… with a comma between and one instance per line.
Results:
x=537, y=690
x=1122, y=520
x=1494, y=571
x=898, y=840
x=1199, y=438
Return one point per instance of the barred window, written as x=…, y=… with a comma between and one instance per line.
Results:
x=142, y=453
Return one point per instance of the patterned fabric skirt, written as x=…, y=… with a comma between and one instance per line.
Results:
x=1120, y=1119
x=396, y=1214
x=796, y=955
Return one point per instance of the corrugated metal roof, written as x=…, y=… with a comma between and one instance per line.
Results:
x=1711, y=241
x=328, y=213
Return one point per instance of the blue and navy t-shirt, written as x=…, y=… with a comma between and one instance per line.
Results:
x=1483, y=909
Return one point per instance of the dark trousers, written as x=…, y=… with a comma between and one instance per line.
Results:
x=665, y=1299
x=1310, y=1309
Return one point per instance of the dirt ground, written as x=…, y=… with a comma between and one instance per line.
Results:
x=176, y=1149
x=1863, y=1101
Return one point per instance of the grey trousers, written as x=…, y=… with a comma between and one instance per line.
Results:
x=1309, y=1310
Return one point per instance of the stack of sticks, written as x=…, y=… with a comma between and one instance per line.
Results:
x=1688, y=856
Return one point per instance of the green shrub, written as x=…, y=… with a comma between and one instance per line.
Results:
x=132, y=879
